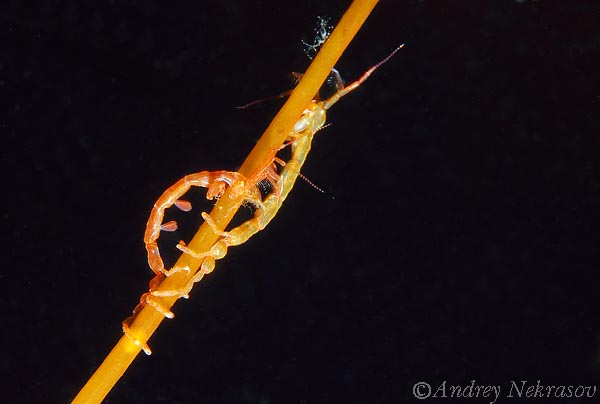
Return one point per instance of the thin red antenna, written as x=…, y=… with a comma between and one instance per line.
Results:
x=309, y=182
x=272, y=97
x=353, y=86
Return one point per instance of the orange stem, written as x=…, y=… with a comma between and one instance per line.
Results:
x=148, y=319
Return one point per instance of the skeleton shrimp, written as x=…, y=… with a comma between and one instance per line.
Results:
x=300, y=139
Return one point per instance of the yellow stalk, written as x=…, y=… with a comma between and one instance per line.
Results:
x=148, y=319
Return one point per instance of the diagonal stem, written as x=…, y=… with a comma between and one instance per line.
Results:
x=148, y=319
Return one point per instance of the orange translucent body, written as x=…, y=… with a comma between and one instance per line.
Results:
x=148, y=317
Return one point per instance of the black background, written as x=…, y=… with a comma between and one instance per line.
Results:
x=457, y=239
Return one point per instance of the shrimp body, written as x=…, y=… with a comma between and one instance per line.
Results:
x=300, y=139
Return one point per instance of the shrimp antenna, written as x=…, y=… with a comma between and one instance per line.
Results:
x=312, y=184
